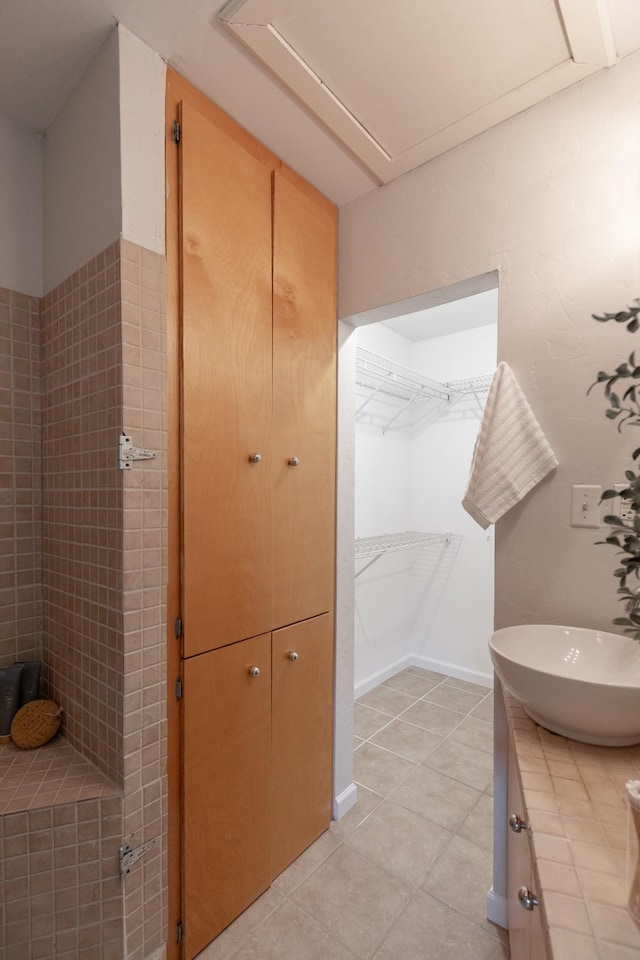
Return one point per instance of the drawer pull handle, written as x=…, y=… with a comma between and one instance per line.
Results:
x=527, y=899
x=255, y=458
x=516, y=823
x=293, y=656
x=254, y=671
x=293, y=461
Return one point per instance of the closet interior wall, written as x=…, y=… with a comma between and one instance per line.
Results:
x=430, y=606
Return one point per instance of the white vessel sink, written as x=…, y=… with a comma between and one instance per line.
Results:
x=583, y=684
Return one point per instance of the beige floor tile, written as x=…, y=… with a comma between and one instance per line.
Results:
x=475, y=733
x=291, y=933
x=227, y=942
x=478, y=825
x=453, y=698
x=432, y=717
x=484, y=710
x=430, y=930
x=409, y=741
x=430, y=674
x=463, y=763
x=466, y=685
x=410, y=683
x=401, y=841
x=461, y=878
x=387, y=700
x=354, y=898
x=301, y=868
x=357, y=742
x=436, y=797
x=366, y=804
x=379, y=770
x=366, y=721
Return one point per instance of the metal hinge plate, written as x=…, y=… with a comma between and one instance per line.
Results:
x=179, y=932
x=176, y=131
x=129, y=856
x=128, y=453
x=179, y=628
x=178, y=689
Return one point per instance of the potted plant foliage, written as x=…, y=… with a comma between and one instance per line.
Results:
x=622, y=390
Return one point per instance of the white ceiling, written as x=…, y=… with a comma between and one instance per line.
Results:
x=379, y=86
x=478, y=310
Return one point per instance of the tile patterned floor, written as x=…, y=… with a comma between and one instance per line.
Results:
x=404, y=875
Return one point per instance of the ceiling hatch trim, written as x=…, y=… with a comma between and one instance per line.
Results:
x=586, y=25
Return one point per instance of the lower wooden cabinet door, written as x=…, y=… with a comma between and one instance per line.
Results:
x=302, y=737
x=226, y=786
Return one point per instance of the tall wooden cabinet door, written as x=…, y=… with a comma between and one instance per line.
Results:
x=226, y=387
x=304, y=402
x=302, y=736
x=226, y=786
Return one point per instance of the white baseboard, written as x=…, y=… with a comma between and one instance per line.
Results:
x=344, y=801
x=497, y=909
x=452, y=670
x=427, y=663
x=363, y=686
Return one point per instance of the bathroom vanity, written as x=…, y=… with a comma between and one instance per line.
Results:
x=566, y=830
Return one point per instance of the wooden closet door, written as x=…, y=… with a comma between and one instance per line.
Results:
x=226, y=387
x=226, y=786
x=304, y=402
x=302, y=737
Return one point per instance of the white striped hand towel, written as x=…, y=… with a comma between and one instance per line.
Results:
x=511, y=454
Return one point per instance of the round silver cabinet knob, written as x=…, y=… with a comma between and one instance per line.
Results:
x=254, y=671
x=255, y=458
x=527, y=899
x=293, y=656
x=293, y=461
x=516, y=823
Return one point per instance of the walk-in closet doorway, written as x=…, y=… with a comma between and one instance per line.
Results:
x=415, y=574
x=423, y=567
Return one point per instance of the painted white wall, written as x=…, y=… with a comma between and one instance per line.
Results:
x=551, y=200
x=456, y=617
x=21, y=205
x=104, y=159
x=82, y=208
x=142, y=119
x=344, y=790
x=382, y=505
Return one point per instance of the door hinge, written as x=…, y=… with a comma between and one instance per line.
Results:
x=178, y=689
x=176, y=132
x=179, y=932
x=179, y=628
x=128, y=856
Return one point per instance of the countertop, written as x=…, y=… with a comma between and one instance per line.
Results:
x=575, y=804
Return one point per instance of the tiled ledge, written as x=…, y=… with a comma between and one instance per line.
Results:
x=575, y=802
x=47, y=776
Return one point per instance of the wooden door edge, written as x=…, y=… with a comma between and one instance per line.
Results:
x=174, y=732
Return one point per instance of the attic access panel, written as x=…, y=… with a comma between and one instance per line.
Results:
x=402, y=83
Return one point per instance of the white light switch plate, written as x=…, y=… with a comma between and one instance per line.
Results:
x=585, y=505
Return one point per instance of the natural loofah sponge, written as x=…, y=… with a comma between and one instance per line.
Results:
x=36, y=723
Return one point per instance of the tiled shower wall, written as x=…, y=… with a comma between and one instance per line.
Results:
x=82, y=507
x=20, y=485
x=143, y=315
x=104, y=575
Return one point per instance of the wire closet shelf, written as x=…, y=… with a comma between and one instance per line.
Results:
x=403, y=387
x=372, y=548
